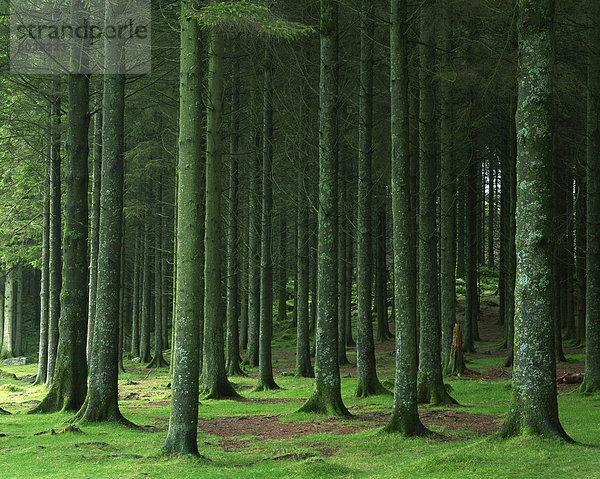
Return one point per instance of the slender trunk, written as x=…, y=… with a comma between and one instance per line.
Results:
x=145, y=313
x=8, y=333
x=137, y=296
x=94, y=233
x=368, y=383
x=55, y=278
x=214, y=377
x=430, y=383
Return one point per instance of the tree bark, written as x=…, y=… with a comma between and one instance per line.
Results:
x=534, y=409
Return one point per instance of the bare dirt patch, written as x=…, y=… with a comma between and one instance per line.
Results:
x=265, y=428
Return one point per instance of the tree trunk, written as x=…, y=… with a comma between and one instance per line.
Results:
x=405, y=416
x=591, y=382
x=146, y=313
x=101, y=403
x=534, y=406
x=326, y=397
x=265, y=365
x=215, y=384
x=183, y=421
x=430, y=382
x=448, y=193
x=366, y=370
x=137, y=295
x=233, y=337
x=44, y=284
x=55, y=279
x=69, y=379
x=8, y=334
x=94, y=231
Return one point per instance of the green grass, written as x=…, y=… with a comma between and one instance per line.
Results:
x=108, y=451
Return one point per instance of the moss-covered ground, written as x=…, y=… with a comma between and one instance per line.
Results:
x=264, y=436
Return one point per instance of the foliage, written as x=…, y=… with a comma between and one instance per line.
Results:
x=249, y=18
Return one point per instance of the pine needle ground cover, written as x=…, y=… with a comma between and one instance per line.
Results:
x=262, y=435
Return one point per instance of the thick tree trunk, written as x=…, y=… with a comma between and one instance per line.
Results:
x=101, y=403
x=591, y=382
x=405, y=416
x=183, y=422
x=326, y=397
x=534, y=407
x=69, y=379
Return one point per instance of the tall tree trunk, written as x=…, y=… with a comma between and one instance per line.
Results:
x=405, y=416
x=580, y=248
x=591, y=382
x=158, y=361
x=146, y=290
x=55, y=279
x=137, y=295
x=430, y=383
x=366, y=371
x=69, y=379
x=303, y=365
x=254, y=234
x=534, y=406
x=94, y=231
x=215, y=384
x=265, y=365
x=326, y=397
x=448, y=192
x=491, y=212
x=182, y=437
x=101, y=403
x=18, y=339
x=471, y=302
x=282, y=274
x=44, y=284
x=233, y=309
x=342, y=265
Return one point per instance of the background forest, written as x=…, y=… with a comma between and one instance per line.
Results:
x=337, y=223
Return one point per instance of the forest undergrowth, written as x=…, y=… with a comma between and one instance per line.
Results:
x=262, y=435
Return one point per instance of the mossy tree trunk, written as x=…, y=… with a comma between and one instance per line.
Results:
x=55, y=279
x=101, y=403
x=214, y=377
x=233, y=265
x=326, y=397
x=405, y=416
x=366, y=371
x=534, y=407
x=448, y=190
x=265, y=364
x=342, y=266
x=591, y=381
x=69, y=379
x=183, y=420
x=430, y=383
x=94, y=230
x=381, y=304
x=282, y=271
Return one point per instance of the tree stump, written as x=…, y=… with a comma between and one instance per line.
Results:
x=456, y=365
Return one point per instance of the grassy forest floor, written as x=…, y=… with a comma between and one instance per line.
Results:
x=263, y=436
